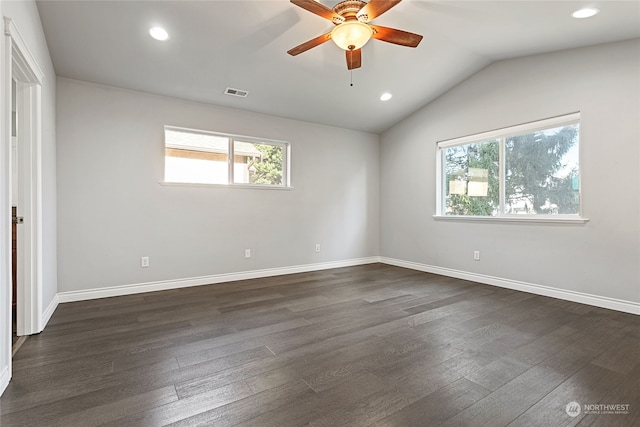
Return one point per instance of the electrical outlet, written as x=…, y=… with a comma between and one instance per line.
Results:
x=144, y=262
x=247, y=253
x=476, y=255
x=317, y=247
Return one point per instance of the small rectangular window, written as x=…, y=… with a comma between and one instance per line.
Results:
x=201, y=157
x=531, y=169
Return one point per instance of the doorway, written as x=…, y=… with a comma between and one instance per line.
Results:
x=16, y=221
x=24, y=176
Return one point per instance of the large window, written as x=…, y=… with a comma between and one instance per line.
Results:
x=527, y=170
x=201, y=157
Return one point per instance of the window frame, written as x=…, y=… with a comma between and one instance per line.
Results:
x=232, y=139
x=501, y=134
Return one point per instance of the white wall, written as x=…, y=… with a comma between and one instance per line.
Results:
x=112, y=209
x=24, y=15
x=600, y=258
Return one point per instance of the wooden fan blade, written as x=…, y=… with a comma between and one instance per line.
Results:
x=375, y=8
x=319, y=9
x=354, y=59
x=391, y=35
x=311, y=43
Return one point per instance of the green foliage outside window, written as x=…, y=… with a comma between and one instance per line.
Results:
x=267, y=169
x=460, y=160
x=533, y=163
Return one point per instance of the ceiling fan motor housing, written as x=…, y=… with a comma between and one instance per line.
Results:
x=349, y=9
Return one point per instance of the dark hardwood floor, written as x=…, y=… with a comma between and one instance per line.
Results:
x=368, y=345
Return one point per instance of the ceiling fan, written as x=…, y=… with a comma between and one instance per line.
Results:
x=353, y=30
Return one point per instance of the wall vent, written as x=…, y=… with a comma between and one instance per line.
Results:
x=236, y=92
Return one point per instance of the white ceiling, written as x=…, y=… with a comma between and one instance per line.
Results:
x=243, y=44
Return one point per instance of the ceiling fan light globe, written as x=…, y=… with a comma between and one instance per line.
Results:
x=351, y=35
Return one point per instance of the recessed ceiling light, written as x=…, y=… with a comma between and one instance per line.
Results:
x=159, y=33
x=385, y=96
x=586, y=12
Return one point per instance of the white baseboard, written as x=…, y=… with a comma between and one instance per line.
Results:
x=580, y=297
x=138, y=288
x=48, y=312
x=5, y=377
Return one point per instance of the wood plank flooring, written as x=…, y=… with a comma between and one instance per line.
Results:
x=368, y=345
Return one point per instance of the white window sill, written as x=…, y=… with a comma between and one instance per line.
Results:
x=528, y=219
x=245, y=186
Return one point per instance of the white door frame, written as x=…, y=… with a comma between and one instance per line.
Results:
x=22, y=67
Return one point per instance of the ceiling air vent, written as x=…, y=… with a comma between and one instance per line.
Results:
x=236, y=92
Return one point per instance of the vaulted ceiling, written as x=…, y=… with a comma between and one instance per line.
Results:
x=242, y=44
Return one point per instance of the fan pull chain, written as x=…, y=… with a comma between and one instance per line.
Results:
x=351, y=69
